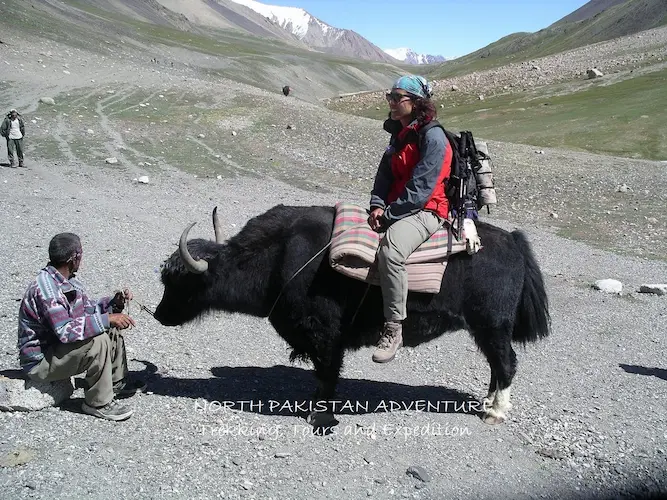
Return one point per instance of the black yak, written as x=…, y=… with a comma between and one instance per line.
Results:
x=497, y=295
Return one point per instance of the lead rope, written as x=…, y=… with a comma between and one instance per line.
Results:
x=141, y=307
x=306, y=264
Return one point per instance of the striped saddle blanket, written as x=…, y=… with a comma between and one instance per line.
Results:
x=354, y=246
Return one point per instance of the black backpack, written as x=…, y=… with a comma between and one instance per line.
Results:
x=470, y=185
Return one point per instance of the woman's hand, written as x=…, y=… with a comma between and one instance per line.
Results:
x=375, y=219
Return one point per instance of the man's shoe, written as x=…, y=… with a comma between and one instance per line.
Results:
x=390, y=342
x=112, y=411
x=127, y=388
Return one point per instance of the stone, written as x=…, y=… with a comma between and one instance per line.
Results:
x=624, y=188
x=20, y=394
x=90, y=131
x=17, y=458
x=455, y=88
x=112, y=161
x=47, y=100
x=657, y=289
x=418, y=472
x=594, y=73
x=143, y=179
x=609, y=286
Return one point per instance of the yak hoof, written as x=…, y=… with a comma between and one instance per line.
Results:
x=322, y=422
x=494, y=417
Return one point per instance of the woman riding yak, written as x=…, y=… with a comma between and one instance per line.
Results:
x=408, y=200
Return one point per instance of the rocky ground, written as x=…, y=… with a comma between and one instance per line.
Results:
x=588, y=418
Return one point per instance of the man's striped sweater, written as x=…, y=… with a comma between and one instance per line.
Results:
x=55, y=309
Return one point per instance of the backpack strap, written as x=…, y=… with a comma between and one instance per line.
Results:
x=422, y=131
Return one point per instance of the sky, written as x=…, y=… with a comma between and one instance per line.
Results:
x=450, y=28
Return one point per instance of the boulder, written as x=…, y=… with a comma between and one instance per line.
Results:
x=657, y=289
x=112, y=161
x=47, y=100
x=594, y=73
x=20, y=394
x=609, y=286
x=418, y=472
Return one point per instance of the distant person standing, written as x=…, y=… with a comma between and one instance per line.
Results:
x=13, y=130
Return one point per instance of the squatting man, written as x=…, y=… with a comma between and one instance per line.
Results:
x=62, y=333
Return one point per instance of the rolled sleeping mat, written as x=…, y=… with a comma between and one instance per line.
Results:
x=486, y=192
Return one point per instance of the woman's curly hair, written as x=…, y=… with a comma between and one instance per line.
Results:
x=424, y=110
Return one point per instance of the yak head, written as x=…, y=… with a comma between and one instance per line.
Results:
x=189, y=278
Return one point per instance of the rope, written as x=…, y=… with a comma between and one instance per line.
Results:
x=141, y=307
x=146, y=309
x=306, y=264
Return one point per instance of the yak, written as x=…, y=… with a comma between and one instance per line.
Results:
x=268, y=269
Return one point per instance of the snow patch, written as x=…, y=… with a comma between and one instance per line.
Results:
x=297, y=20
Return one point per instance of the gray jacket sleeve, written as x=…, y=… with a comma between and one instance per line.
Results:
x=383, y=180
x=424, y=178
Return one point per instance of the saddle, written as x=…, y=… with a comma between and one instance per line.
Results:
x=354, y=249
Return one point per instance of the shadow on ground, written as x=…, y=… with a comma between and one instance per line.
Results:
x=284, y=390
x=643, y=370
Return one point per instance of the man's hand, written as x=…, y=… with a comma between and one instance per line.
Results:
x=121, y=321
x=127, y=294
x=375, y=219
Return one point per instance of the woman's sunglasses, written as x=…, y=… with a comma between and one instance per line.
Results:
x=396, y=97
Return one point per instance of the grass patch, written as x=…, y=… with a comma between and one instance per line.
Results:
x=620, y=119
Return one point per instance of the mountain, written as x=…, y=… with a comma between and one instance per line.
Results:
x=596, y=21
x=226, y=14
x=409, y=56
x=315, y=33
x=592, y=8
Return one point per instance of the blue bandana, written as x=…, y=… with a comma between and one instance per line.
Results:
x=416, y=85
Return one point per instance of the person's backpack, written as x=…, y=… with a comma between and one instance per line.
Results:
x=470, y=186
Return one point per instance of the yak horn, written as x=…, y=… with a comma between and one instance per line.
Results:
x=192, y=265
x=216, y=226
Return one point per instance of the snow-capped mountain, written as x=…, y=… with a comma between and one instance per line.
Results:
x=317, y=34
x=411, y=57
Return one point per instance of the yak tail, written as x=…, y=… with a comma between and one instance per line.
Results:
x=533, y=321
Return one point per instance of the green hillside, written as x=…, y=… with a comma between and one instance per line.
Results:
x=629, y=17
